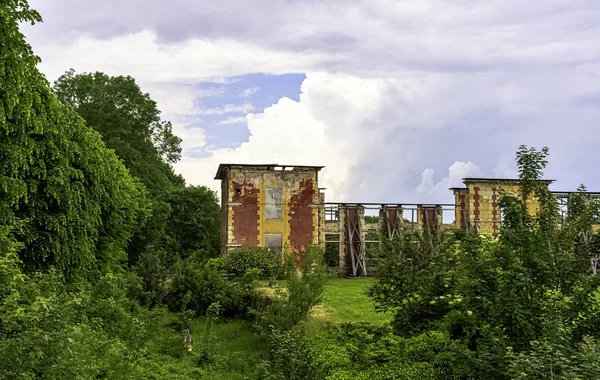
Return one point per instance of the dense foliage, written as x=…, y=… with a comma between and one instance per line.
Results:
x=303, y=290
x=128, y=120
x=108, y=268
x=466, y=306
x=280, y=321
x=193, y=226
x=365, y=351
x=183, y=219
x=513, y=301
x=67, y=199
x=130, y=124
x=69, y=213
x=238, y=261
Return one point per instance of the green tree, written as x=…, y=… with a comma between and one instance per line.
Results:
x=184, y=220
x=71, y=201
x=68, y=208
x=503, y=296
x=130, y=123
x=194, y=223
x=128, y=119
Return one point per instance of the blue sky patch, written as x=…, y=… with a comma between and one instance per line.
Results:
x=222, y=107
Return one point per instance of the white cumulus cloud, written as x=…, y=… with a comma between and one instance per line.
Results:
x=440, y=190
x=233, y=120
x=392, y=88
x=249, y=91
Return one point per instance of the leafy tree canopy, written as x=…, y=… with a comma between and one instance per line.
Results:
x=129, y=122
x=512, y=300
x=194, y=222
x=183, y=219
x=70, y=201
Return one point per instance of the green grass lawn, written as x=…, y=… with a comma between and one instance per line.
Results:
x=236, y=348
x=345, y=300
x=348, y=302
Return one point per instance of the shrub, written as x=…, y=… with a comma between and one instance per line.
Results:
x=194, y=287
x=303, y=291
x=366, y=351
x=153, y=273
x=288, y=359
x=554, y=357
x=241, y=296
x=362, y=350
x=238, y=261
x=84, y=330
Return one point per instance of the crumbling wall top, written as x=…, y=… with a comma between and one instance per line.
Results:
x=223, y=169
x=505, y=181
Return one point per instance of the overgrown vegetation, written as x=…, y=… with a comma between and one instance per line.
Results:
x=237, y=263
x=303, y=290
x=525, y=305
x=97, y=234
x=109, y=263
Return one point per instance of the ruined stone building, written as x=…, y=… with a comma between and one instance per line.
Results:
x=271, y=206
x=477, y=207
x=279, y=206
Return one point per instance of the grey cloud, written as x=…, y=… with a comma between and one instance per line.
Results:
x=475, y=79
x=591, y=99
x=470, y=118
x=362, y=36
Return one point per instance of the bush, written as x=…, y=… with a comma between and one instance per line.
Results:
x=238, y=261
x=241, y=296
x=554, y=357
x=366, y=351
x=362, y=350
x=194, y=287
x=153, y=271
x=85, y=330
x=289, y=353
x=303, y=291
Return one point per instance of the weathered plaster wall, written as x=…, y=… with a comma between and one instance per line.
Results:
x=302, y=221
x=245, y=216
x=461, y=211
x=248, y=223
x=484, y=210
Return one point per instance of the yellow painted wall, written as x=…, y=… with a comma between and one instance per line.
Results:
x=457, y=208
x=289, y=182
x=485, y=191
x=269, y=180
x=230, y=238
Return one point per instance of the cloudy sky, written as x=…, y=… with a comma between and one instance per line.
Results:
x=399, y=99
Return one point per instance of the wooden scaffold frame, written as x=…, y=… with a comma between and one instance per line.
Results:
x=354, y=240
